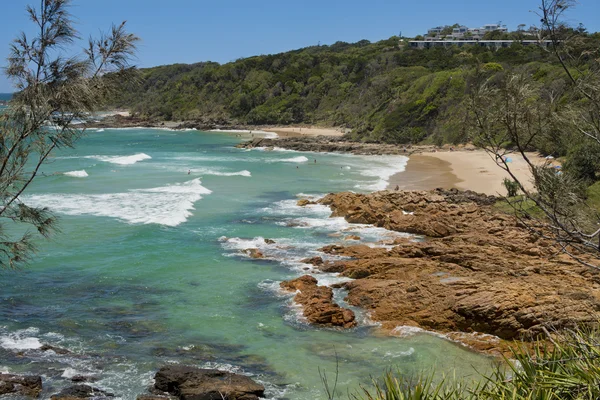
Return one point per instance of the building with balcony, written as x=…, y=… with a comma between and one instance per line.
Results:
x=494, y=44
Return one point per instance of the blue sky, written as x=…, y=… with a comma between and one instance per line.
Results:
x=188, y=31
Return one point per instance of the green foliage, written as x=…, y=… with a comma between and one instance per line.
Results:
x=593, y=196
x=492, y=66
x=511, y=186
x=583, y=161
x=383, y=91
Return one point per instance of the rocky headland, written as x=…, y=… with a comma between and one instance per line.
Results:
x=133, y=121
x=476, y=274
x=321, y=143
x=330, y=144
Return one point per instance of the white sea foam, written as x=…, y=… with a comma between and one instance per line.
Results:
x=239, y=173
x=291, y=207
x=288, y=252
x=167, y=205
x=331, y=279
x=21, y=340
x=70, y=372
x=213, y=172
x=273, y=287
x=237, y=243
x=309, y=196
x=406, y=353
x=407, y=331
x=299, y=159
x=382, y=167
x=330, y=224
x=122, y=160
x=77, y=174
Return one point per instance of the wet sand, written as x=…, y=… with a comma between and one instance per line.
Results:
x=424, y=172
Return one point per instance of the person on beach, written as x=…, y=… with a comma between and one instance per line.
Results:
x=189, y=171
x=397, y=187
x=315, y=160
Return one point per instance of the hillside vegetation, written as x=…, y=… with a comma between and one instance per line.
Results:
x=384, y=91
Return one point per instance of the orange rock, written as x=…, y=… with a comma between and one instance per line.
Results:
x=478, y=270
x=318, y=305
x=253, y=253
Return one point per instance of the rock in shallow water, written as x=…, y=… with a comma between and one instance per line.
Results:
x=26, y=385
x=192, y=383
x=57, y=350
x=77, y=392
x=318, y=304
x=253, y=253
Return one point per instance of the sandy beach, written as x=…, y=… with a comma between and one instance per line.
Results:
x=295, y=131
x=474, y=170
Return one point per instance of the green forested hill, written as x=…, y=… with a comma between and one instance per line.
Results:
x=384, y=91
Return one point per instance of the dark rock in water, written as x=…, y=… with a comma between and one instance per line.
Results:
x=57, y=350
x=192, y=383
x=27, y=385
x=155, y=397
x=77, y=392
x=326, y=144
x=269, y=241
x=84, y=378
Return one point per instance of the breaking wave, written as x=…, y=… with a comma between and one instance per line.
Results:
x=77, y=174
x=168, y=205
x=122, y=160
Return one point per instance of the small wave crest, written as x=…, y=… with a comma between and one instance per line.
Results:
x=381, y=167
x=299, y=159
x=245, y=173
x=77, y=174
x=21, y=340
x=122, y=160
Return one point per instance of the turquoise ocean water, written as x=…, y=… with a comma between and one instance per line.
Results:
x=147, y=269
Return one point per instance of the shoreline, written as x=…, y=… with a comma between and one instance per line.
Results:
x=463, y=169
x=424, y=172
x=429, y=167
x=471, y=281
x=114, y=119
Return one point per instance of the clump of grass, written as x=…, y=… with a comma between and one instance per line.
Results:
x=564, y=366
x=593, y=196
x=520, y=206
x=512, y=187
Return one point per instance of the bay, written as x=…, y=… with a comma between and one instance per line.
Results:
x=148, y=269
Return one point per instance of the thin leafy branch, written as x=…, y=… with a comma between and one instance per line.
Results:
x=54, y=91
